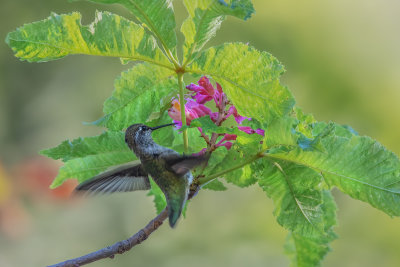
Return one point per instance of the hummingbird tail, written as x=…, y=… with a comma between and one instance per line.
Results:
x=175, y=207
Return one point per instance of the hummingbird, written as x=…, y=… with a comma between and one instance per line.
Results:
x=169, y=170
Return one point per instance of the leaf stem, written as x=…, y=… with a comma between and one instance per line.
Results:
x=205, y=180
x=183, y=114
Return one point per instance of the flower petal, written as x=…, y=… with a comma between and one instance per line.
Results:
x=205, y=83
x=201, y=99
x=214, y=116
x=246, y=129
x=260, y=132
x=228, y=145
x=239, y=119
x=229, y=137
x=195, y=88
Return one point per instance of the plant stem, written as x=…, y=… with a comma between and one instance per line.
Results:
x=203, y=181
x=183, y=114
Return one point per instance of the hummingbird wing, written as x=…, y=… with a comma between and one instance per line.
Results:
x=182, y=164
x=125, y=178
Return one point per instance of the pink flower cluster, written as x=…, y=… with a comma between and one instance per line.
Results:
x=204, y=92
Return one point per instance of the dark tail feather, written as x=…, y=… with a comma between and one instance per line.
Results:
x=175, y=208
x=173, y=216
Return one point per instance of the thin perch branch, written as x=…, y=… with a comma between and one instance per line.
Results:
x=124, y=245
x=119, y=247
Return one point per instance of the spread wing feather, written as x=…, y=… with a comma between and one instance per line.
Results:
x=128, y=177
x=183, y=164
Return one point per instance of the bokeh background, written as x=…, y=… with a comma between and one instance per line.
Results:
x=343, y=63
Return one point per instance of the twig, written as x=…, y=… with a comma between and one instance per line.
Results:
x=119, y=247
x=125, y=245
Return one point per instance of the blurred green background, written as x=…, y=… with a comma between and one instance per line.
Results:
x=343, y=64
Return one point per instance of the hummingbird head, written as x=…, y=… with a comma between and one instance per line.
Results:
x=140, y=134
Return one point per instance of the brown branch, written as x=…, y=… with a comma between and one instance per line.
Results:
x=119, y=247
x=125, y=245
x=205, y=137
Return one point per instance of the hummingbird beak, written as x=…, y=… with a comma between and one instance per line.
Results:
x=161, y=126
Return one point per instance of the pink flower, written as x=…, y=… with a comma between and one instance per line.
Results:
x=201, y=99
x=226, y=139
x=193, y=110
x=249, y=130
x=228, y=145
x=229, y=137
x=239, y=119
x=204, y=91
x=205, y=83
x=198, y=109
x=214, y=116
x=220, y=97
x=175, y=111
x=260, y=132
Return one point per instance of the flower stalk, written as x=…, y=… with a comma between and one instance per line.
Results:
x=183, y=114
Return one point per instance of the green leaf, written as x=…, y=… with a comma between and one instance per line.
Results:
x=329, y=215
x=307, y=252
x=216, y=158
x=164, y=136
x=321, y=129
x=138, y=93
x=243, y=149
x=305, y=122
x=196, y=142
x=358, y=166
x=86, y=157
x=296, y=192
x=159, y=198
x=62, y=35
x=82, y=147
x=280, y=132
x=223, y=159
x=242, y=177
x=207, y=125
x=250, y=79
x=156, y=15
x=215, y=185
x=205, y=18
